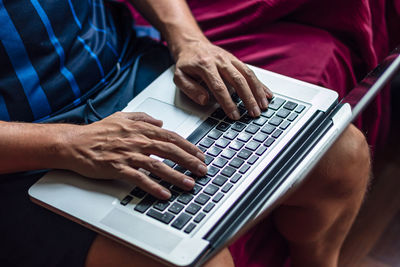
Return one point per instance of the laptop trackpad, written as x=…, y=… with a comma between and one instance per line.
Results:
x=171, y=116
x=140, y=230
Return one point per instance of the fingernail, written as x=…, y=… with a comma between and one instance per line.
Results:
x=200, y=156
x=234, y=115
x=202, y=99
x=202, y=169
x=256, y=111
x=264, y=103
x=188, y=182
x=165, y=193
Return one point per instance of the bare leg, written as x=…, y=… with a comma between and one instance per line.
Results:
x=106, y=252
x=317, y=217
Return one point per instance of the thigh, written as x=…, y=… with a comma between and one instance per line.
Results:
x=34, y=236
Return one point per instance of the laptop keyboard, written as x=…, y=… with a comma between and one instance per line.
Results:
x=231, y=149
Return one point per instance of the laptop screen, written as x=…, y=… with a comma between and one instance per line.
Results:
x=368, y=88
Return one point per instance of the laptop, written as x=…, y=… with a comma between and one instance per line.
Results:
x=253, y=164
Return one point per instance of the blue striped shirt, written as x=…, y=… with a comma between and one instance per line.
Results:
x=52, y=53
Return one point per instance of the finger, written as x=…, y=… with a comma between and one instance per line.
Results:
x=236, y=79
x=144, y=182
x=190, y=87
x=160, y=134
x=141, y=116
x=177, y=155
x=214, y=82
x=163, y=171
x=259, y=90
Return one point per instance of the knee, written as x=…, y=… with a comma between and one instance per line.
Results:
x=346, y=166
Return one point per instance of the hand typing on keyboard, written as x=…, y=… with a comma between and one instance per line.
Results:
x=118, y=145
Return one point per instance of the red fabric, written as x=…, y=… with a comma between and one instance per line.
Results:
x=329, y=43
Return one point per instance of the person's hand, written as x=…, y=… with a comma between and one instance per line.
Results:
x=200, y=60
x=117, y=146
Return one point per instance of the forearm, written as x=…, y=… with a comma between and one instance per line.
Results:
x=173, y=19
x=29, y=146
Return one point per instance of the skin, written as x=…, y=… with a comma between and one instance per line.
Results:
x=117, y=146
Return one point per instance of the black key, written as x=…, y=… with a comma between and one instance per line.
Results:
x=236, y=163
x=177, y=189
x=228, y=153
x=211, y=189
x=242, y=111
x=212, y=171
x=276, y=121
x=290, y=105
x=169, y=163
x=223, y=126
x=155, y=177
x=209, y=207
x=218, y=114
x=165, y=184
x=292, y=117
x=220, y=162
x=244, y=168
x=252, y=160
x=269, y=142
x=283, y=113
x=235, y=98
x=145, y=204
x=268, y=129
x=222, y=143
x=284, y=125
x=238, y=126
x=206, y=142
x=126, y=200
x=236, y=145
x=180, y=169
x=137, y=192
x=176, y=208
x=190, y=228
x=230, y=134
x=244, y=137
x=174, y=195
x=196, y=189
x=236, y=178
x=260, y=137
x=300, y=109
x=276, y=103
x=208, y=159
x=227, y=187
x=181, y=221
x=260, y=121
x=203, y=180
x=252, y=129
x=215, y=134
x=268, y=113
x=229, y=120
x=185, y=198
x=252, y=145
x=244, y=154
x=162, y=217
x=241, y=105
x=214, y=151
x=161, y=205
x=193, y=208
x=228, y=171
x=202, y=130
x=218, y=197
x=199, y=217
x=219, y=180
x=261, y=150
x=203, y=149
x=246, y=119
x=277, y=133
x=202, y=199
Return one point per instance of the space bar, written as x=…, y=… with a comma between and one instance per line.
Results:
x=202, y=130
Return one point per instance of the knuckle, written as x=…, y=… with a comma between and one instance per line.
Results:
x=238, y=79
x=154, y=164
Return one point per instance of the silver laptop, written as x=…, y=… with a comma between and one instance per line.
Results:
x=252, y=165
